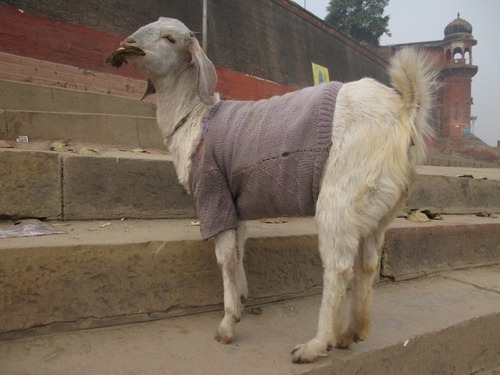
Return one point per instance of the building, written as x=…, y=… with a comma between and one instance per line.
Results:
x=454, y=56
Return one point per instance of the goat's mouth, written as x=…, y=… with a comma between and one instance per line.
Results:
x=118, y=57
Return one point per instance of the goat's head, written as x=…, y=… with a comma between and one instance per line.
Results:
x=167, y=49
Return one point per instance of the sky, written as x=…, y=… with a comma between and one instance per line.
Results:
x=425, y=20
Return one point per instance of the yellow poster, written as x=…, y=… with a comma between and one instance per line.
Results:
x=320, y=74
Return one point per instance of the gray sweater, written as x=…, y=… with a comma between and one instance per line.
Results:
x=262, y=158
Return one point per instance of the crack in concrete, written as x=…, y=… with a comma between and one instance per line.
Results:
x=467, y=282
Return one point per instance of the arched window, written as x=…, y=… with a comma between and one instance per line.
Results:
x=458, y=56
x=467, y=56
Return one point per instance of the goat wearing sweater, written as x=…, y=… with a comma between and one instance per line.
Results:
x=377, y=136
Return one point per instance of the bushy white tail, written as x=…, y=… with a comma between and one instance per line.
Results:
x=414, y=76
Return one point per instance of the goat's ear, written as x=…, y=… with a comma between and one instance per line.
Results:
x=207, y=76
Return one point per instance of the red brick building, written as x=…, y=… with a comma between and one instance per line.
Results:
x=454, y=55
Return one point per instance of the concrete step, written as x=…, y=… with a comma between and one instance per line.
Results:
x=89, y=128
x=67, y=185
x=445, y=324
x=123, y=184
x=108, y=273
x=31, y=97
x=24, y=69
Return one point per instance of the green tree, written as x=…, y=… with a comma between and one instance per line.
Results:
x=362, y=20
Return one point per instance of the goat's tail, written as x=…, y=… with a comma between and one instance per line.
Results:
x=415, y=77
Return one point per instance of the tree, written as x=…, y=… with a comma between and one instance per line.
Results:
x=362, y=20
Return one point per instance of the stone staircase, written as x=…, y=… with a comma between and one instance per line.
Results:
x=25, y=69
x=132, y=254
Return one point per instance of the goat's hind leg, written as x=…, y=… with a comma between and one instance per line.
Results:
x=338, y=245
x=366, y=266
x=226, y=251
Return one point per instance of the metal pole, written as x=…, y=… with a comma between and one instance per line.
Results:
x=204, y=27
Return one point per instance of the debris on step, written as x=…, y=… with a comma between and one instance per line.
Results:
x=418, y=215
x=274, y=220
x=88, y=151
x=473, y=176
x=486, y=214
x=29, y=228
x=58, y=145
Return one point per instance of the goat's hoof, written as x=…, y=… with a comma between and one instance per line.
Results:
x=224, y=340
x=307, y=353
x=344, y=342
x=357, y=339
x=342, y=345
x=347, y=339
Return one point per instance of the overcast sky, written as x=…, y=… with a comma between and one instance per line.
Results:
x=425, y=20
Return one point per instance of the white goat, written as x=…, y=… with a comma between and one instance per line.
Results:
x=378, y=137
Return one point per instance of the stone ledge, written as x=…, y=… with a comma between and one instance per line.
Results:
x=454, y=195
x=117, y=185
x=113, y=188
x=428, y=326
x=127, y=271
x=32, y=97
x=30, y=184
x=419, y=250
x=93, y=128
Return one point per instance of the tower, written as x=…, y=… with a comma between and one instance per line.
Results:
x=455, y=100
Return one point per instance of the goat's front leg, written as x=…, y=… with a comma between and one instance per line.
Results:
x=226, y=251
x=241, y=279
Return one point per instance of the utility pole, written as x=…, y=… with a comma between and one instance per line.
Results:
x=204, y=27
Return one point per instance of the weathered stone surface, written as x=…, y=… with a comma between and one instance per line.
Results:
x=94, y=285
x=417, y=250
x=454, y=195
x=30, y=184
x=109, y=273
x=3, y=125
x=433, y=325
x=149, y=133
x=54, y=285
x=98, y=187
x=145, y=186
x=25, y=96
x=116, y=130
x=283, y=266
x=76, y=101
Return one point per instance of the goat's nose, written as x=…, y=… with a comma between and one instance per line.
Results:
x=128, y=42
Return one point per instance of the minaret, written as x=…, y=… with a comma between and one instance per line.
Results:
x=455, y=99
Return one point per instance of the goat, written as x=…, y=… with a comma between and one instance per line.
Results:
x=378, y=136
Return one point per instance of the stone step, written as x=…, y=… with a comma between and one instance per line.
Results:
x=101, y=273
x=89, y=128
x=448, y=323
x=31, y=97
x=68, y=185
x=122, y=184
x=29, y=70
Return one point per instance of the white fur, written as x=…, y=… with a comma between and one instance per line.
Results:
x=379, y=136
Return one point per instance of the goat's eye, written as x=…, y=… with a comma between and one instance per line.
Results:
x=170, y=38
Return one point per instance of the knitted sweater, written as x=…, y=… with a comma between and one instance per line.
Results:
x=262, y=158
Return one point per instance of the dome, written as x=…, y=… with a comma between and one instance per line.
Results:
x=458, y=28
